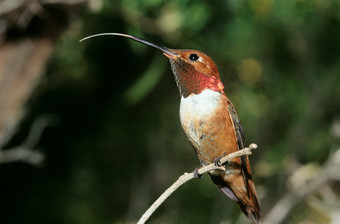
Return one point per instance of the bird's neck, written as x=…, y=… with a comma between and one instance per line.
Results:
x=190, y=81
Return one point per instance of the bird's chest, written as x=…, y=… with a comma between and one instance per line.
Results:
x=196, y=111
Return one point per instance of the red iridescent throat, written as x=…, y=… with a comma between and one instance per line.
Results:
x=189, y=80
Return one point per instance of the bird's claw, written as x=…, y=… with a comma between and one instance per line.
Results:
x=217, y=161
x=197, y=174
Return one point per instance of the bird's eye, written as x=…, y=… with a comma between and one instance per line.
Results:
x=193, y=57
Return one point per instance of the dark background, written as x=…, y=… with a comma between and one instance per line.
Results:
x=115, y=143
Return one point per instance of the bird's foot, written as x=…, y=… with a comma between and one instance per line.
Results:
x=217, y=161
x=197, y=175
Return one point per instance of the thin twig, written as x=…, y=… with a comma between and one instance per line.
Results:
x=188, y=176
x=21, y=153
x=26, y=152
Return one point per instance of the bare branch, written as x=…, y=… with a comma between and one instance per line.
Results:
x=296, y=194
x=26, y=152
x=188, y=176
x=33, y=157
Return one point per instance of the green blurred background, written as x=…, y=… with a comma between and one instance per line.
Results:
x=117, y=143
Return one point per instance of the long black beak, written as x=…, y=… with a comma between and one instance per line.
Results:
x=167, y=52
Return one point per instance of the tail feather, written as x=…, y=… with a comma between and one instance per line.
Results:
x=251, y=213
x=246, y=200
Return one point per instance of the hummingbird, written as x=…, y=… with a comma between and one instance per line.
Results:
x=210, y=122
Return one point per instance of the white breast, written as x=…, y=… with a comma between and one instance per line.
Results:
x=197, y=108
x=200, y=105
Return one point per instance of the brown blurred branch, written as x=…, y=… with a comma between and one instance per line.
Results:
x=28, y=33
x=21, y=65
x=188, y=176
x=299, y=192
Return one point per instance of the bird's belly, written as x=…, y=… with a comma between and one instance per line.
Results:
x=195, y=111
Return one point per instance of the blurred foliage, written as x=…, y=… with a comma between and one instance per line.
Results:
x=119, y=143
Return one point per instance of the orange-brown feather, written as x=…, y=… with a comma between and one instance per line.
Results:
x=214, y=136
